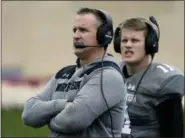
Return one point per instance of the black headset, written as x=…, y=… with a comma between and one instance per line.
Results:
x=152, y=39
x=105, y=31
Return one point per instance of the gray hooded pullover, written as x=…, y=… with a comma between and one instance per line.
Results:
x=86, y=115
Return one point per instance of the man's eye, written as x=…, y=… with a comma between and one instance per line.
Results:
x=74, y=30
x=83, y=30
x=124, y=40
x=135, y=40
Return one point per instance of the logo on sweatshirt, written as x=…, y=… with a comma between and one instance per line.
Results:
x=65, y=87
x=131, y=87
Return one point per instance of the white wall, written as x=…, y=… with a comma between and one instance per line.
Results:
x=37, y=35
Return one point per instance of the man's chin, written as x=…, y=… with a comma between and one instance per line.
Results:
x=129, y=61
x=78, y=51
x=78, y=54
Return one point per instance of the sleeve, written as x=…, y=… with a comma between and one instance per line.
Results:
x=173, y=85
x=170, y=114
x=40, y=109
x=89, y=103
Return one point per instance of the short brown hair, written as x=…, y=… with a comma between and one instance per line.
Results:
x=94, y=12
x=137, y=24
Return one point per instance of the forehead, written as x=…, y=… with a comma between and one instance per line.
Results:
x=85, y=20
x=132, y=33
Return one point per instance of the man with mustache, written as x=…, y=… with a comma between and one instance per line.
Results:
x=87, y=99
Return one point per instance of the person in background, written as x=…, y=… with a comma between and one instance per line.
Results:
x=155, y=90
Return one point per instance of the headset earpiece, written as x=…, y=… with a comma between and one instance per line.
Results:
x=152, y=39
x=105, y=34
x=117, y=40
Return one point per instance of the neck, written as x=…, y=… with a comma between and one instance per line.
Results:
x=99, y=53
x=138, y=67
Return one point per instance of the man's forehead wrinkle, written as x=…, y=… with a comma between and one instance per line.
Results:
x=82, y=21
x=84, y=26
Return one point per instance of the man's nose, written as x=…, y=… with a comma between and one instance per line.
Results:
x=128, y=44
x=76, y=35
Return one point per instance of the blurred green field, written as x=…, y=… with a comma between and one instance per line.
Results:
x=12, y=125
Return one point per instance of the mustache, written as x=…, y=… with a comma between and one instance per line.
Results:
x=78, y=43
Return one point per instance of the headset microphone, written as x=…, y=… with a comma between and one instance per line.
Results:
x=81, y=45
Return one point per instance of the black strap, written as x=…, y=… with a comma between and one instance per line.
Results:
x=99, y=65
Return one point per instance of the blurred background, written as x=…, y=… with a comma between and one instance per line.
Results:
x=37, y=42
